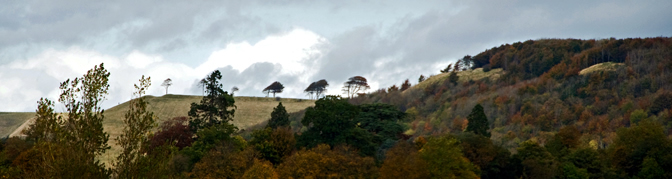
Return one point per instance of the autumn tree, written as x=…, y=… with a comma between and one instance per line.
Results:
x=261, y=169
x=403, y=161
x=173, y=132
x=354, y=85
x=70, y=145
x=405, y=85
x=279, y=117
x=138, y=121
x=478, y=122
x=167, y=83
x=225, y=161
x=322, y=162
x=273, y=144
x=275, y=87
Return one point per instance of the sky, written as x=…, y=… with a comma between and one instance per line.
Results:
x=255, y=42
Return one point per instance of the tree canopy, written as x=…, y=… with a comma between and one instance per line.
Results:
x=275, y=87
x=354, y=85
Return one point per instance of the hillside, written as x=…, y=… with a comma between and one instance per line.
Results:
x=538, y=86
x=10, y=121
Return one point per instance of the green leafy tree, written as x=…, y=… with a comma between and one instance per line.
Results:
x=634, y=144
x=331, y=119
x=478, y=122
x=651, y=169
x=279, y=117
x=216, y=107
x=139, y=122
x=444, y=159
x=70, y=145
x=534, y=161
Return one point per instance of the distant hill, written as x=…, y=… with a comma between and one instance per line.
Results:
x=536, y=87
x=10, y=121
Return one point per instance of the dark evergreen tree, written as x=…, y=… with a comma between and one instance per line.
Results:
x=279, y=117
x=453, y=78
x=421, y=79
x=478, y=122
x=216, y=107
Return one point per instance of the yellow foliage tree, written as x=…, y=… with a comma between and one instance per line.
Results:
x=403, y=161
x=261, y=169
x=322, y=162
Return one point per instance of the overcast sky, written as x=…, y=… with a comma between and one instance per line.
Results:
x=296, y=42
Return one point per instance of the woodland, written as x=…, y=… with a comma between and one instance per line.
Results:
x=544, y=115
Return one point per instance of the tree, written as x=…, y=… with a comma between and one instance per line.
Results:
x=331, y=119
x=216, y=107
x=662, y=102
x=173, y=132
x=70, y=146
x=275, y=87
x=447, y=69
x=167, y=83
x=131, y=163
x=444, y=159
x=467, y=61
x=403, y=161
x=405, y=85
x=453, y=78
x=322, y=162
x=261, y=169
x=318, y=88
x=421, y=79
x=478, y=122
x=234, y=89
x=273, y=144
x=279, y=117
x=535, y=161
x=354, y=85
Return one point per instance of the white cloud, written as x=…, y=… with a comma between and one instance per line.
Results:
x=287, y=51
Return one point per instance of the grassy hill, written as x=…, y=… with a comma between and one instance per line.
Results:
x=10, y=121
x=475, y=74
x=250, y=111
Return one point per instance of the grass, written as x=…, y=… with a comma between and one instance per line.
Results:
x=607, y=66
x=250, y=111
x=10, y=121
x=475, y=74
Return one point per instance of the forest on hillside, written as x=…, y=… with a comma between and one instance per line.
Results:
x=541, y=118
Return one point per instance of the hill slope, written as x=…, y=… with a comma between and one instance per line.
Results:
x=10, y=121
